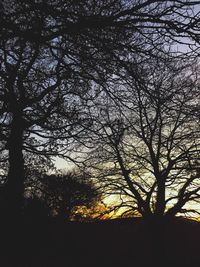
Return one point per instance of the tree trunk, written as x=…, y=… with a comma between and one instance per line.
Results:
x=14, y=188
x=160, y=203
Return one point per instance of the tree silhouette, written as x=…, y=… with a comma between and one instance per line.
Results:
x=59, y=194
x=147, y=143
x=53, y=53
x=34, y=97
x=43, y=21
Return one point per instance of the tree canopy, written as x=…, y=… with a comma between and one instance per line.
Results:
x=146, y=143
x=62, y=195
x=56, y=57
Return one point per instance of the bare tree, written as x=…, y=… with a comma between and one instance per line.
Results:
x=51, y=53
x=39, y=109
x=43, y=21
x=147, y=143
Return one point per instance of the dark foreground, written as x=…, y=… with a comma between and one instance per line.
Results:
x=127, y=242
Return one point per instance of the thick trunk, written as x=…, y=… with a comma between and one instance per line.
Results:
x=14, y=189
x=160, y=203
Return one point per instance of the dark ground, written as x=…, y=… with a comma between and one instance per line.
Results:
x=120, y=242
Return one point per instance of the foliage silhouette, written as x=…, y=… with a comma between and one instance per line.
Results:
x=60, y=195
